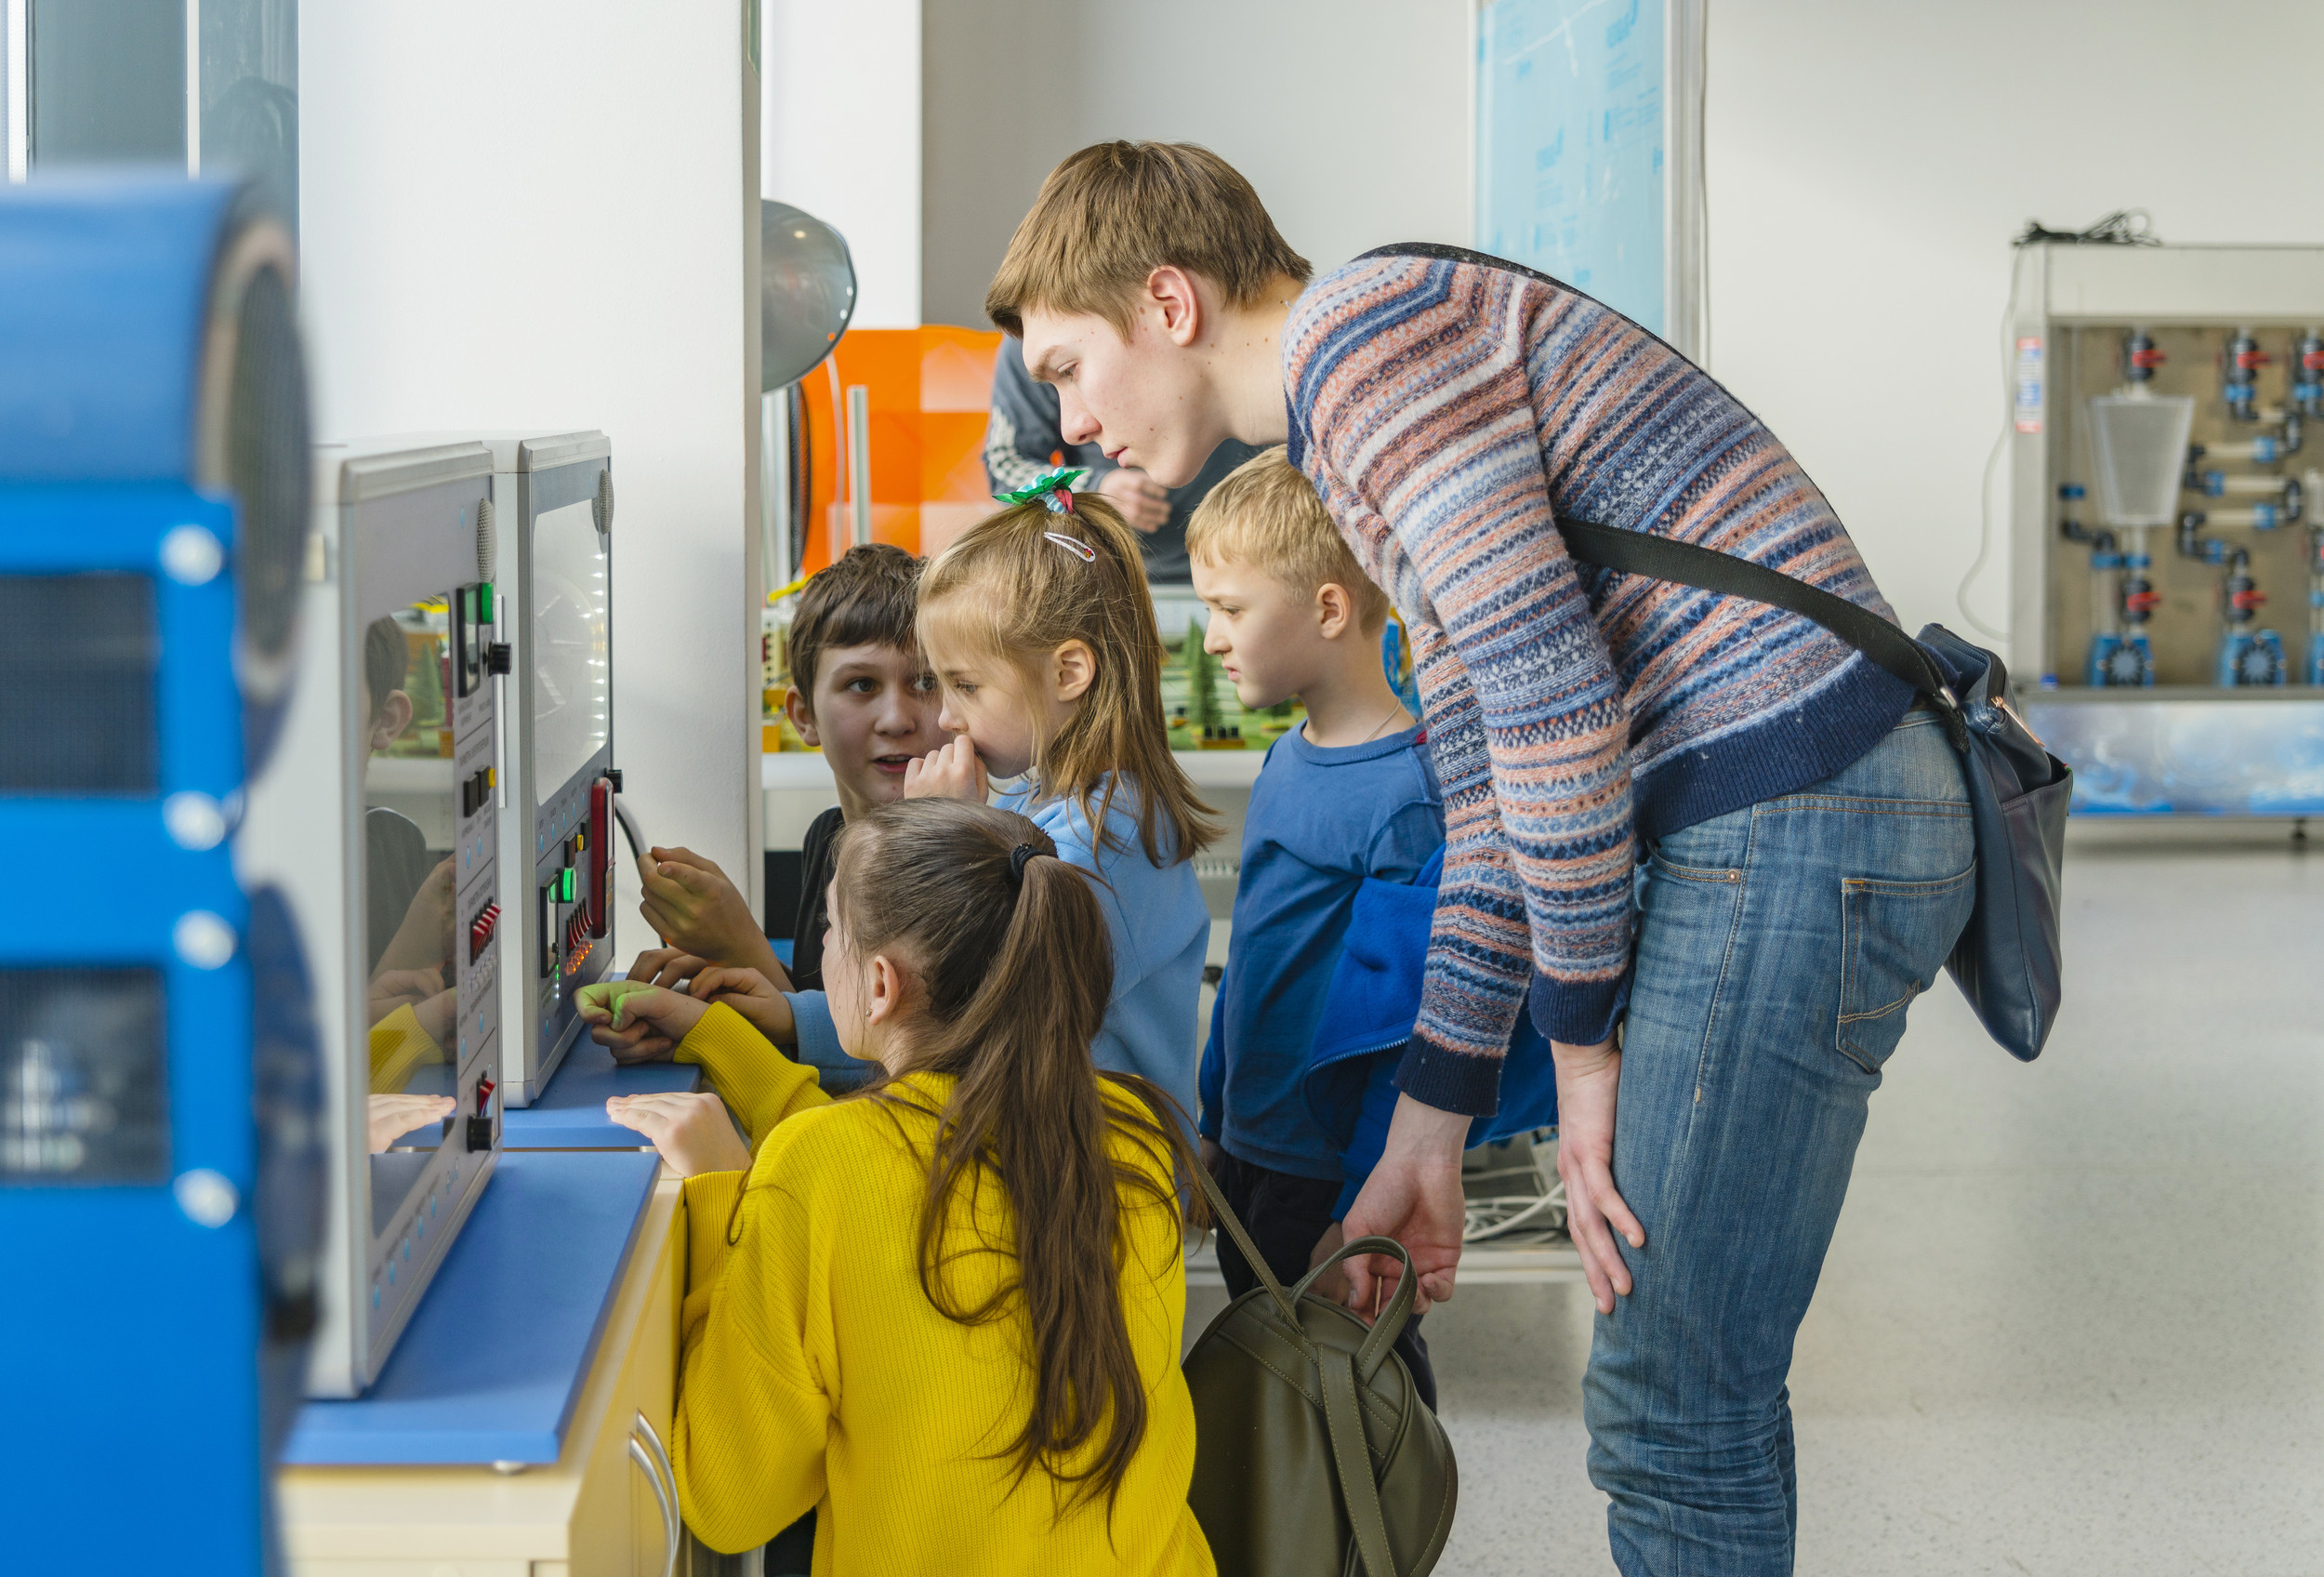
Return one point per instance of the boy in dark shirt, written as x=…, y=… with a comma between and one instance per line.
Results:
x=1350, y=796
x=859, y=690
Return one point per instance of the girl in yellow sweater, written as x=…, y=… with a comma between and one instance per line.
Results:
x=944, y=1312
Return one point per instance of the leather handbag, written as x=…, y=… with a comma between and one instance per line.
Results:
x=1313, y=1454
x=2008, y=961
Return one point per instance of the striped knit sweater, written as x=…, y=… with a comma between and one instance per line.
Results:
x=1449, y=414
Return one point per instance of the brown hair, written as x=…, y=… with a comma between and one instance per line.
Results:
x=866, y=599
x=1265, y=512
x=386, y=658
x=1112, y=214
x=1038, y=594
x=1016, y=968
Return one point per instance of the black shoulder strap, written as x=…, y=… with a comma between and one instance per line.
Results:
x=1661, y=558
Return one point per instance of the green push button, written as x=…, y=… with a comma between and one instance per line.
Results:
x=484, y=601
x=564, y=885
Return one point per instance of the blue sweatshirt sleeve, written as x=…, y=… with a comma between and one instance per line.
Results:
x=818, y=1037
x=1213, y=1074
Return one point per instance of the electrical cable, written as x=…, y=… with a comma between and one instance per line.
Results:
x=2124, y=227
x=1494, y=1217
x=1985, y=490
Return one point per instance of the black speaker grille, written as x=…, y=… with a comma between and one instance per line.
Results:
x=77, y=709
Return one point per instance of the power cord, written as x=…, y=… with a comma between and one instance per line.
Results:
x=2124, y=227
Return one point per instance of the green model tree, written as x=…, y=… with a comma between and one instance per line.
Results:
x=1203, y=713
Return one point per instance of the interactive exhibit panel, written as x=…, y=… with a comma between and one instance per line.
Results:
x=383, y=830
x=554, y=496
x=2167, y=550
x=160, y=1183
x=552, y=513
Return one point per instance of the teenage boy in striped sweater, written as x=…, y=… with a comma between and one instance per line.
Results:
x=1724, y=850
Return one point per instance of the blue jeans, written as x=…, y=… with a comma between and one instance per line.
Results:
x=1778, y=950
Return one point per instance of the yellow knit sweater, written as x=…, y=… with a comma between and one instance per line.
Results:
x=815, y=1371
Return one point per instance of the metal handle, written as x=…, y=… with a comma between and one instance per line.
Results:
x=645, y=1450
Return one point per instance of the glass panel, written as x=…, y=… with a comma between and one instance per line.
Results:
x=84, y=1077
x=572, y=675
x=408, y=888
x=108, y=80
x=1570, y=170
x=250, y=95
x=76, y=712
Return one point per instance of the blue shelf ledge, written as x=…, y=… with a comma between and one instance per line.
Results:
x=570, y=1114
x=541, y=1254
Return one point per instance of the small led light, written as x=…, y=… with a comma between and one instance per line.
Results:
x=206, y=1198
x=203, y=939
x=191, y=556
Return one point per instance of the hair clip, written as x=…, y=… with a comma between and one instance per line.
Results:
x=1055, y=492
x=1073, y=545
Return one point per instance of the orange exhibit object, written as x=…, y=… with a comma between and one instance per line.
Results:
x=930, y=389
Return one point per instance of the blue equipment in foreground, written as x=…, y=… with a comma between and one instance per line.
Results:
x=161, y=1186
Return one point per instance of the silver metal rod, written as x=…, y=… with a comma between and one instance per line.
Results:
x=859, y=463
x=774, y=514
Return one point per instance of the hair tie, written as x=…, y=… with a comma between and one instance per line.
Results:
x=1017, y=856
x=1055, y=492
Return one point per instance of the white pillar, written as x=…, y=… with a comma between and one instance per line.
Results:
x=545, y=212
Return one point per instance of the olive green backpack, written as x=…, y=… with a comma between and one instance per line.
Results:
x=1313, y=1454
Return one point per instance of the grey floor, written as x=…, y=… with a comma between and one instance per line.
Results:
x=2073, y=1321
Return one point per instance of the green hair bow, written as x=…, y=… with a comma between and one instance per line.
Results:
x=1053, y=491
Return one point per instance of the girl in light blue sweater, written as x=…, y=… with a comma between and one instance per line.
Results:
x=1039, y=628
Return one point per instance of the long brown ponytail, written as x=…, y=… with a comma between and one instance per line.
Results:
x=1011, y=955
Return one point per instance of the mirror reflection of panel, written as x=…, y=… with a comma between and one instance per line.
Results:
x=571, y=671
x=380, y=828
x=411, y=990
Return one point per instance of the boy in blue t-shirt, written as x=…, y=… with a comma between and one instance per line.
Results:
x=1351, y=795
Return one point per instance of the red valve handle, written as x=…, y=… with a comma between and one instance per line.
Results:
x=597, y=910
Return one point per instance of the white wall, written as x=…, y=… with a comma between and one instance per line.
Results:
x=545, y=212
x=1349, y=116
x=1867, y=165
x=841, y=137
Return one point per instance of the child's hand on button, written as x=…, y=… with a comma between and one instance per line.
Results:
x=948, y=772
x=692, y=1131
x=621, y=1004
x=664, y=966
x=751, y=994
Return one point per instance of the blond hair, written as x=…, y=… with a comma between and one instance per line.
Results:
x=1019, y=595
x=1112, y=214
x=1266, y=513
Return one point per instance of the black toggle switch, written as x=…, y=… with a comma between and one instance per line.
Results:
x=499, y=657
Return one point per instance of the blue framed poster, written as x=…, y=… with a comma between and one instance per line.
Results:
x=1588, y=151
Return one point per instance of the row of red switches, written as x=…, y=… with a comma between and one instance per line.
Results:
x=479, y=931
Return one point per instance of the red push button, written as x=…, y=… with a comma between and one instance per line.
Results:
x=481, y=929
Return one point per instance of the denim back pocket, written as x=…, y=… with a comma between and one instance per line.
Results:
x=1894, y=937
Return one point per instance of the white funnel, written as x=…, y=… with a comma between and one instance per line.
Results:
x=2138, y=445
